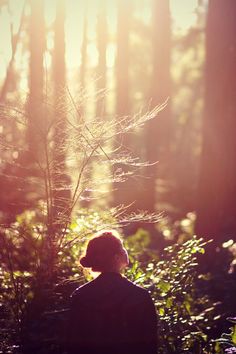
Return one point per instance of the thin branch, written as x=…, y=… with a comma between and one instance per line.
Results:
x=73, y=102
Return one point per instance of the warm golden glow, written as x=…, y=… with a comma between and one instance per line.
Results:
x=182, y=13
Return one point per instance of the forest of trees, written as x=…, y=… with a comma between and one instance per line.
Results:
x=138, y=135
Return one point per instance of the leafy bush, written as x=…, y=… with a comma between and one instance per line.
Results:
x=227, y=342
x=171, y=279
x=32, y=264
x=34, y=300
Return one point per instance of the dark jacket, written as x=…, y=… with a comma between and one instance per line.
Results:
x=111, y=315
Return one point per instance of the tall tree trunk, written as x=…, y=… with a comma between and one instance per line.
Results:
x=84, y=54
x=85, y=201
x=36, y=79
x=157, y=132
x=122, y=191
x=15, y=176
x=101, y=81
x=61, y=180
x=101, y=69
x=217, y=182
x=14, y=44
x=122, y=65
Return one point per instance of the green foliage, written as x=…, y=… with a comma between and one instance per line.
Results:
x=33, y=299
x=171, y=279
x=33, y=262
x=227, y=342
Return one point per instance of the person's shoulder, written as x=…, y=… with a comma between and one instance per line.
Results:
x=82, y=289
x=137, y=290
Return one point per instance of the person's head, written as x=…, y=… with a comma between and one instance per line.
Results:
x=105, y=253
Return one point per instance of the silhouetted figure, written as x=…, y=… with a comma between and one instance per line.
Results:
x=110, y=314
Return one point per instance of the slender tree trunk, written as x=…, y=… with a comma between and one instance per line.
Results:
x=36, y=142
x=101, y=69
x=217, y=182
x=10, y=72
x=122, y=65
x=122, y=191
x=101, y=80
x=158, y=130
x=25, y=166
x=84, y=55
x=61, y=180
x=85, y=201
x=36, y=79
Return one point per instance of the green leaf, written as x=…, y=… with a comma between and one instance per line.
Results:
x=169, y=302
x=164, y=286
x=234, y=335
x=161, y=311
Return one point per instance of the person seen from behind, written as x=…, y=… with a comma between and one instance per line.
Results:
x=110, y=314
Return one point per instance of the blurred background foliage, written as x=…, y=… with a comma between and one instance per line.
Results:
x=118, y=114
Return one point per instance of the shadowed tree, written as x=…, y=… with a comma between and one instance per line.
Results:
x=21, y=192
x=187, y=120
x=85, y=201
x=157, y=132
x=61, y=181
x=13, y=202
x=100, y=82
x=101, y=68
x=122, y=191
x=84, y=53
x=122, y=61
x=36, y=78
x=14, y=44
x=217, y=182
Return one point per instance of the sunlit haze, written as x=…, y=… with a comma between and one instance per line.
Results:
x=182, y=14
